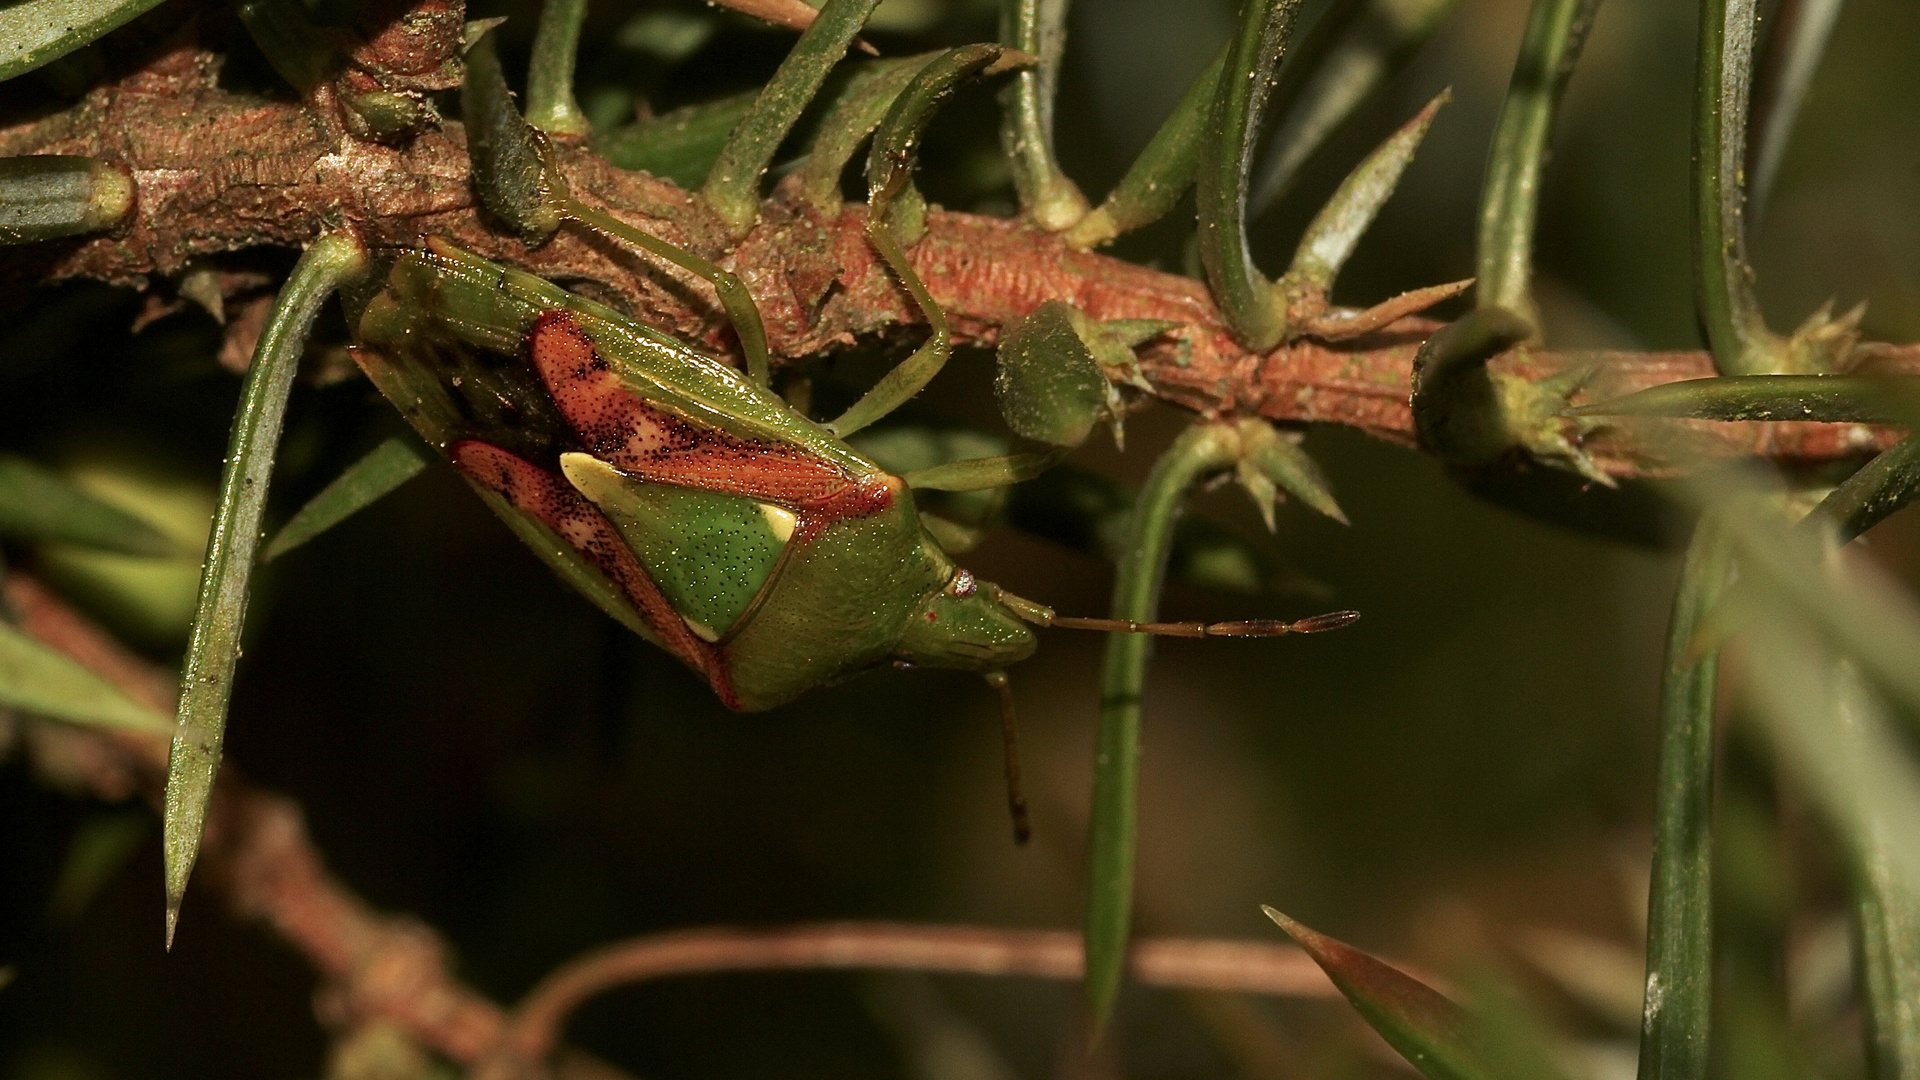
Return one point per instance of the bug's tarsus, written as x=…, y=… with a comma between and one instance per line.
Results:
x=1010, y=737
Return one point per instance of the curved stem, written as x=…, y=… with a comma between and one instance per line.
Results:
x=1201, y=450
x=1673, y=1038
x=214, y=647
x=1510, y=202
x=1243, y=966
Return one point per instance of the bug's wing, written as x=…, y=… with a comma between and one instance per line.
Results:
x=587, y=551
x=712, y=554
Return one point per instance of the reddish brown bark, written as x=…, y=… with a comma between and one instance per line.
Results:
x=216, y=172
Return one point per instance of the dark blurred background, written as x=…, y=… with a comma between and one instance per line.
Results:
x=1466, y=773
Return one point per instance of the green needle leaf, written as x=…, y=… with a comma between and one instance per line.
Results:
x=1431, y=1032
x=37, y=679
x=36, y=32
x=46, y=196
x=214, y=646
x=37, y=504
x=1678, y=1008
x=1199, y=452
x=1856, y=399
x=1245, y=296
x=1886, y=920
x=733, y=188
x=364, y=482
x=1723, y=278
x=1037, y=28
x=556, y=46
x=1881, y=486
x=680, y=146
x=1510, y=200
x=1785, y=77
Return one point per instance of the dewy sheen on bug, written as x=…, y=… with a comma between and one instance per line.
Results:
x=688, y=502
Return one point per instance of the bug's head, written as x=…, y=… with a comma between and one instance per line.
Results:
x=965, y=626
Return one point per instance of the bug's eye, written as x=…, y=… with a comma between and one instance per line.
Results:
x=962, y=583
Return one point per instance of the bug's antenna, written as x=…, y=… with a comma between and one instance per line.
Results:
x=1016, y=796
x=1042, y=615
x=1314, y=624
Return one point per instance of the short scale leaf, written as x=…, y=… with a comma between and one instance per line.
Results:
x=384, y=468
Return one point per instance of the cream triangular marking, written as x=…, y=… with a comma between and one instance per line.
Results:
x=780, y=520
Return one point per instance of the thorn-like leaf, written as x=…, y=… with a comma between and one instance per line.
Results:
x=1723, y=278
x=1510, y=200
x=1337, y=228
x=40, y=505
x=1677, y=1009
x=1344, y=324
x=1278, y=456
x=214, y=647
x=1881, y=486
x=1047, y=195
x=1352, y=50
x=383, y=469
x=37, y=679
x=1855, y=399
x=1431, y=1032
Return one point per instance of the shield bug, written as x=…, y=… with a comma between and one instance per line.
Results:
x=687, y=501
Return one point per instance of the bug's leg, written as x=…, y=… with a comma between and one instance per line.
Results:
x=520, y=180
x=889, y=178
x=979, y=474
x=1010, y=738
x=734, y=296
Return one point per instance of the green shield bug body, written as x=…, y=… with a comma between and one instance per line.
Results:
x=690, y=504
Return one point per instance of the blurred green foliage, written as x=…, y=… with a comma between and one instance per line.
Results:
x=474, y=745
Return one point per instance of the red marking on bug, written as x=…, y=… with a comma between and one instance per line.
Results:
x=548, y=498
x=621, y=428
